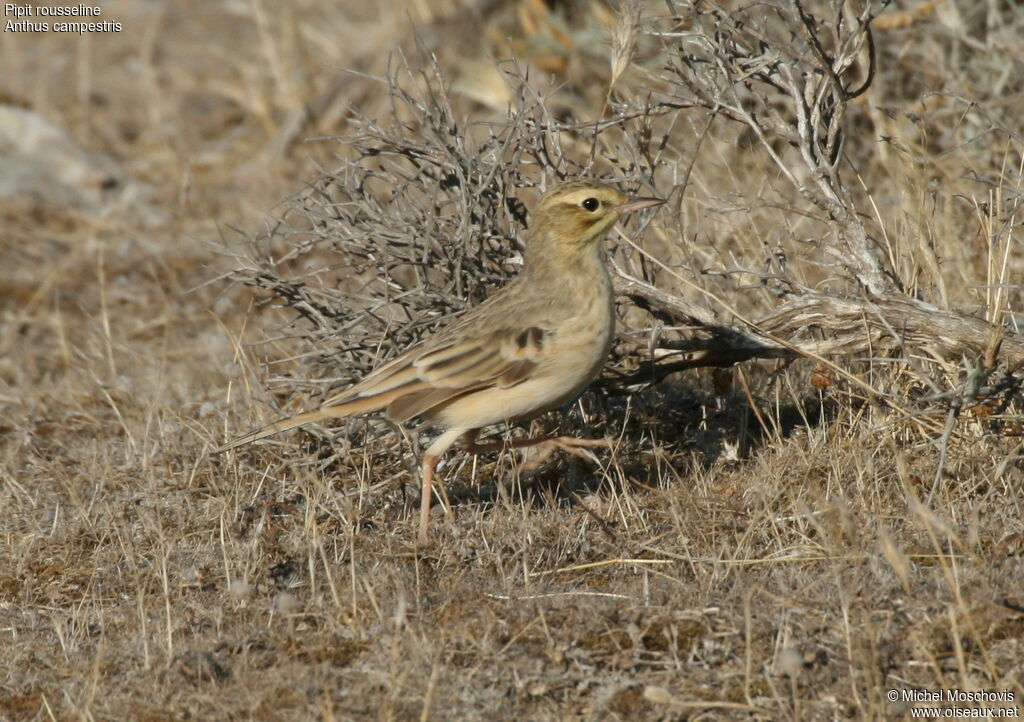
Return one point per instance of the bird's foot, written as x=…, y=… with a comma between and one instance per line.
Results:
x=537, y=453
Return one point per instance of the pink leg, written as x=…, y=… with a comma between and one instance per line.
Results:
x=441, y=444
x=548, y=445
x=429, y=464
x=467, y=440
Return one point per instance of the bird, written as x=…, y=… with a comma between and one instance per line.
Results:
x=532, y=347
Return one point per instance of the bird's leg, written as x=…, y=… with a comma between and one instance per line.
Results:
x=429, y=465
x=545, y=447
x=441, y=444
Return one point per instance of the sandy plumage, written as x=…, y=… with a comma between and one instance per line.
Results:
x=530, y=348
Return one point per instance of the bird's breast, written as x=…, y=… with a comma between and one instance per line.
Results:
x=575, y=343
x=576, y=351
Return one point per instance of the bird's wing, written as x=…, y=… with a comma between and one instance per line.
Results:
x=445, y=369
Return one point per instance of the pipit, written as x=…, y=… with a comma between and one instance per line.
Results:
x=532, y=347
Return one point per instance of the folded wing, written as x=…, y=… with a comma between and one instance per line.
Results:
x=423, y=378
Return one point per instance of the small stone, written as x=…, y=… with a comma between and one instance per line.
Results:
x=239, y=589
x=790, y=662
x=286, y=603
x=537, y=689
x=657, y=695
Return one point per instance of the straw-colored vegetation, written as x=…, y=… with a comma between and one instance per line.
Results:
x=792, y=536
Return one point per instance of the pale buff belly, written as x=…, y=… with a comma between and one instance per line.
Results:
x=570, y=361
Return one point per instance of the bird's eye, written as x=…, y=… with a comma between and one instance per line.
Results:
x=591, y=204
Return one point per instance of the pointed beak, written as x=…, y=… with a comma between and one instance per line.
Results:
x=637, y=204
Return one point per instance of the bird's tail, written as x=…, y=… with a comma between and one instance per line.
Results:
x=358, y=406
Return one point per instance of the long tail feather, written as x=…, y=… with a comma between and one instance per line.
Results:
x=359, y=406
x=276, y=427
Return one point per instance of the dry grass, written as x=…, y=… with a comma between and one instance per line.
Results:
x=763, y=543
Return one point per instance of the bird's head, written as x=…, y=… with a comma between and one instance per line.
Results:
x=576, y=215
